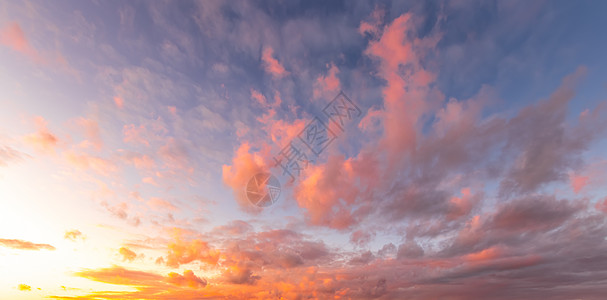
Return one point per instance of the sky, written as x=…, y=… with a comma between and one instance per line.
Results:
x=408, y=149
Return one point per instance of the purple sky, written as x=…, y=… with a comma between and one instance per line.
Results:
x=471, y=163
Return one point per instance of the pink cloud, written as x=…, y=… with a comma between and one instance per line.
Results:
x=91, y=131
x=406, y=96
x=119, y=102
x=172, y=110
x=602, y=205
x=461, y=206
x=43, y=139
x=272, y=65
x=328, y=85
x=13, y=37
x=244, y=166
x=260, y=98
x=85, y=161
x=327, y=195
x=161, y=204
x=578, y=182
x=135, y=134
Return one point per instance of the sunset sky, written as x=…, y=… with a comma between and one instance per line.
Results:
x=472, y=163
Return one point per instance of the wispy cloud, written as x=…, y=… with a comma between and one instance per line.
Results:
x=24, y=245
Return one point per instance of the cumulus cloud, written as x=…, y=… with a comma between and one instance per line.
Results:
x=187, y=279
x=127, y=254
x=183, y=252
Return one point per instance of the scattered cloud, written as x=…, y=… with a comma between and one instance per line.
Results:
x=73, y=235
x=24, y=245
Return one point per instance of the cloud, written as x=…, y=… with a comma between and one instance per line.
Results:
x=147, y=285
x=187, y=279
x=121, y=276
x=244, y=166
x=120, y=210
x=272, y=65
x=183, y=252
x=127, y=254
x=24, y=287
x=543, y=153
x=12, y=36
x=238, y=275
x=84, y=161
x=142, y=162
x=43, y=140
x=135, y=134
x=161, y=204
x=24, y=245
x=361, y=237
x=602, y=205
x=8, y=155
x=73, y=235
x=409, y=250
x=91, y=132
x=328, y=85
x=119, y=102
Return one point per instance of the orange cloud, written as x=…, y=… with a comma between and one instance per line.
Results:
x=127, y=254
x=272, y=65
x=43, y=140
x=24, y=245
x=147, y=285
x=244, y=166
x=73, y=235
x=188, y=279
x=484, y=255
x=184, y=252
x=24, y=287
x=121, y=276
